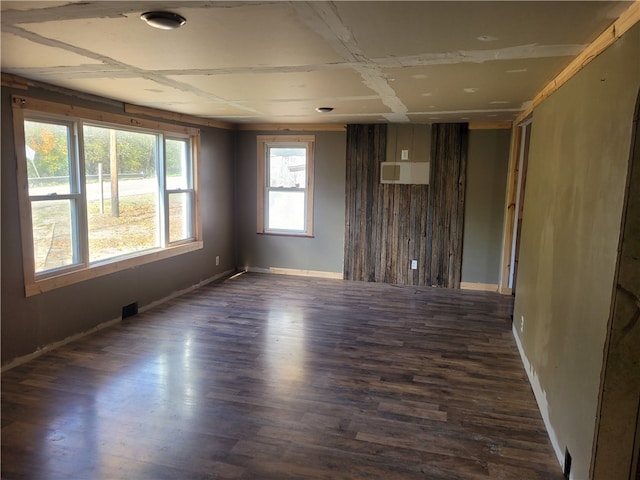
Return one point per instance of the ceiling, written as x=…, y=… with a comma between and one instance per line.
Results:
x=275, y=62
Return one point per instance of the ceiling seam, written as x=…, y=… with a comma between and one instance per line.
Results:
x=323, y=19
x=146, y=74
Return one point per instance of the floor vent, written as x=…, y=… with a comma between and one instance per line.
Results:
x=130, y=310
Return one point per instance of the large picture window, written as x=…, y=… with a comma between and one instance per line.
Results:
x=285, y=184
x=101, y=196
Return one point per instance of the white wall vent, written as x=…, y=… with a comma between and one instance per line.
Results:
x=414, y=173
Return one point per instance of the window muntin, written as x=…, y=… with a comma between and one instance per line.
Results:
x=285, y=196
x=63, y=241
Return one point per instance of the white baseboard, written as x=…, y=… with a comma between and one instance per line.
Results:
x=540, y=396
x=52, y=346
x=306, y=273
x=297, y=272
x=484, y=287
x=256, y=270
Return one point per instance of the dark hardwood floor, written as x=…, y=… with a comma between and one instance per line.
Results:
x=274, y=377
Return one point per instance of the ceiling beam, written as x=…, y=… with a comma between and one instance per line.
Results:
x=177, y=117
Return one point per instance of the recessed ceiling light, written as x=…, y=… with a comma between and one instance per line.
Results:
x=324, y=109
x=163, y=20
x=471, y=90
x=487, y=38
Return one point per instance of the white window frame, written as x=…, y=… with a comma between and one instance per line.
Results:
x=264, y=142
x=189, y=190
x=25, y=108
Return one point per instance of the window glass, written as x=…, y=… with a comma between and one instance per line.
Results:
x=53, y=245
x=180, y=219
x=287, y=167
x=286, y=211
x=122, y=203
x=48, y=160
x=177, y=158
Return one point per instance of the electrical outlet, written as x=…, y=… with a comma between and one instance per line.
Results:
x=521, y=323
x=404, y=155
x=217, y=260
x=414, y=264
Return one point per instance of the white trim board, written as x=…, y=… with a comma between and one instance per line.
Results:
x=484, y=287
x=541, y=398
x=296, y=272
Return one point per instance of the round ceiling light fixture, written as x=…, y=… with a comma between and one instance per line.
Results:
x=324, y=109
x=163, y=20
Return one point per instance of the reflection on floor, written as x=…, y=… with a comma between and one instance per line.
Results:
x=275, y=377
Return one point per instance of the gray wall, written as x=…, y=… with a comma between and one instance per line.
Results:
x=487, y=164
x=34, y=322
x=579, y=156
x=324, y=252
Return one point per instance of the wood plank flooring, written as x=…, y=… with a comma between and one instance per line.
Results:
x=275, y=377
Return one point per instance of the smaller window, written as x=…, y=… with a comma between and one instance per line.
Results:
x=179, y=190
x=54, y=193
x=285, y=184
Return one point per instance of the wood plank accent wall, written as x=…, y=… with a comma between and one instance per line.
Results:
x=446, y=210
x=385, y=223
x=389, y=225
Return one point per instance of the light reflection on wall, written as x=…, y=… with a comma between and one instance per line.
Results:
x=285, y=349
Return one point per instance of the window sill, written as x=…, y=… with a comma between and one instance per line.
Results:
x=294, y=235
x=77, y=276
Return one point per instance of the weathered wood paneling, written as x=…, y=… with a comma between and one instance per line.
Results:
x=387, y=225
x=446, y=210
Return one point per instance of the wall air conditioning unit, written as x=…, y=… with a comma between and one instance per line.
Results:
x=410, y=173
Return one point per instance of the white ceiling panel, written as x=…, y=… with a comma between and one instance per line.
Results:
x=275, y=61
x=324, y=85
x=21, y=53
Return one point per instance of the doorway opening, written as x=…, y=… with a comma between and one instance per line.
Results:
x=521, y=136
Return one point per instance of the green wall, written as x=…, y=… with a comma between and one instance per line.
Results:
x=578, y=162
x=487, y=164
x=32, y=323
x=325, y=251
